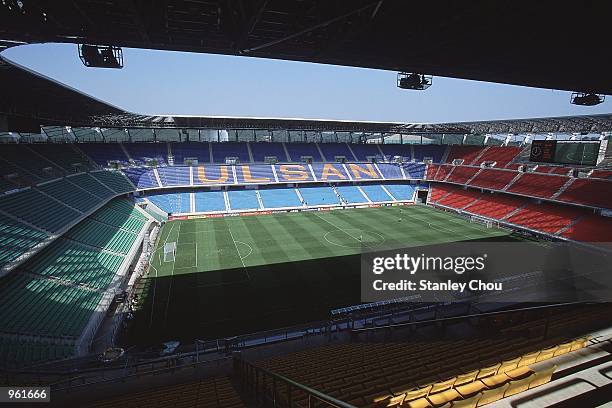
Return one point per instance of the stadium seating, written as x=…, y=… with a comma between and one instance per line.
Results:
x=545, y=217
x=44, y=307
x=461, y=174
x=465, y=152
x=16, y=239
x=438, y=191
x=206, y=201
x=24, y=158
x=435, y=152
x=198, y=150
x=261, y=150
x=537, y=185
x=496, y=206
x=376, y=193
x=90, y=184
x=121, y=213
x=102, y=153
x=174, y=176
x=222, y=150
x=15, y=352
x=243, y=200
x=597, y=193
x=279, y=198
x=141, y=177
x=351, y=194
x=72, y=262
x=140, y=152
x=254, y=173
x=213, y=174
x=365, y=150
x=413, y=170
x=100, y=235
x=332, y=150
x=69, y=194
x=603, y=174
x=319, y=196
x=393, y=171
x=493, y=179
x=459, y=197
x=115, y=180
x=591, y=228
x=293, y=173
x=443, y=171
x=501, y=155
x=401, y=192
x=65, y=155
x=402, y=150
x=172, y=203
x=207, y=393
x=297, y=150
x=34, y=207
x=329, y=171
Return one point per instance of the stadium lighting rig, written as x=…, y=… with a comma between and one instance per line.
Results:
x=414, y=81
x=101, y=56
x=586, y=98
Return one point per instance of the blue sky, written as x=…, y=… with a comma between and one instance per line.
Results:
x=163, y=82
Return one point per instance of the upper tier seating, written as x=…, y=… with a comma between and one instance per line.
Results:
x=34, y=207
x=461, y=174
x=413, y=170
x=255, y=173
x=279, y=198
x=332, y=150
x=393, y=171
x=174, y=176
x=496, y=205
x=141, y=177
x=223, y=150
x=16, y=239
x=12, y=177
x=466, y=152
x=115, y=180
x=401, y=192
x=293, y=173
x=121, y=213
x=213, y=174
x=140, y=152
x=502, y=155
x=402, y=150
x=351, y=194
x=68, y=193
x=103, y=236
x=442, y=171
x=545, y=217
x=365, y=150
x=90, y=184
x=597, y=193
x=243, y=200
x=591, y=228
x=198, y=150
x=329, y=171
x=493, y=179
x=64, y=155
x=44, y=307
x=537, y=185
x=209, y=201
x=15, y=352
x=552, y=169
x=297, y=150
x=319, y=196
x=435, y=152
x=172, y=203
x=376, y=193
x=261, y=150
x=363, y=171
x=102, y=153
x=22, y=157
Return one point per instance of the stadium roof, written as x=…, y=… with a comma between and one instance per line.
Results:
x=35, y=98
x=546, y=44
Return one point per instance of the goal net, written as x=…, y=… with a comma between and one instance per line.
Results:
x=169, y=251
x=483, y=221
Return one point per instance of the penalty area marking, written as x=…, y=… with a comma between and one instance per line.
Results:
x=239, y=255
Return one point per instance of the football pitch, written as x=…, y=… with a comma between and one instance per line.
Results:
x=235, y=275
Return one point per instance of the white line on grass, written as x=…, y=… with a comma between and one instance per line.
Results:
x=172, y=274
x=336, y=227
x=239, y=256
x=155, y=281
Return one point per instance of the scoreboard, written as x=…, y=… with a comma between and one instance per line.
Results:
x=553, y=151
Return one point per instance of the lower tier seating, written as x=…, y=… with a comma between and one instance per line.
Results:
x=496, y=205
x=351, y=194
x=546, y=217
x=401, y=192
x=243, y=200
x=376, y=193
x=459, y=197
x=319, y=196
x=206, y=201
x=279, y=198
x=172, y=203
x=591, y=228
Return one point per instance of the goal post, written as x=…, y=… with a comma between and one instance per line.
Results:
x=169, y=251
x=484, y=221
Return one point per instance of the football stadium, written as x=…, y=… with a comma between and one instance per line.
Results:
x=209, y=261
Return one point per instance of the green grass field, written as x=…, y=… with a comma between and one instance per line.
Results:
x=237, y=275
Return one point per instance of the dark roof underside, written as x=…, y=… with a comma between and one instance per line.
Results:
x=546, y=44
